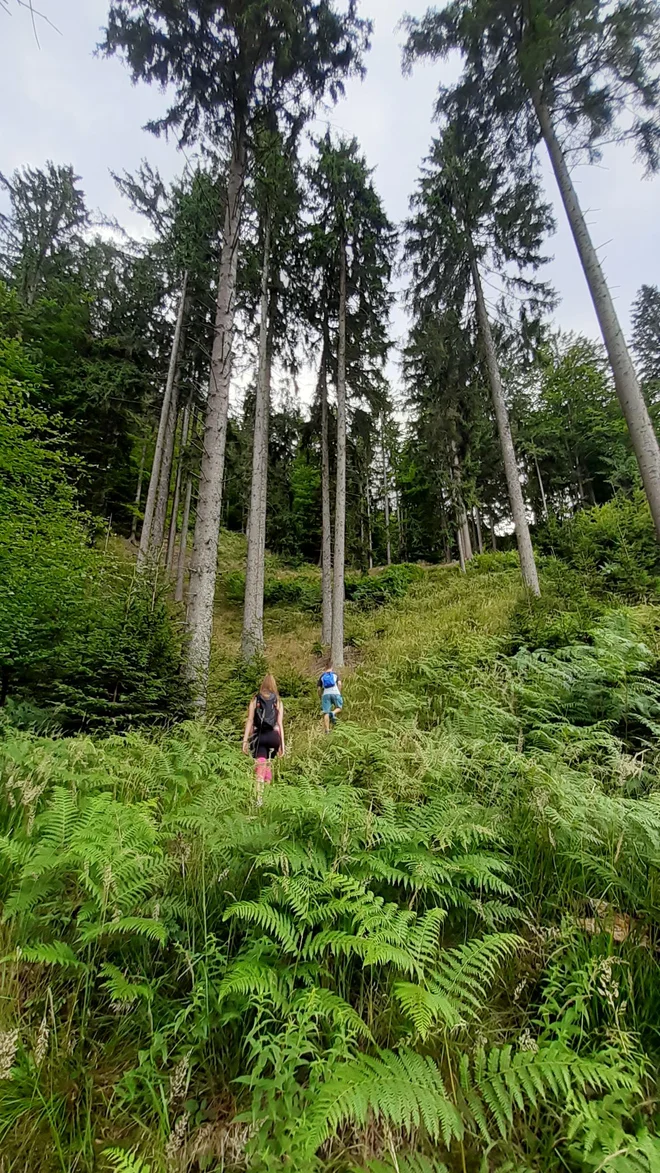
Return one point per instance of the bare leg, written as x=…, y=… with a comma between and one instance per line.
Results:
x=326, y=722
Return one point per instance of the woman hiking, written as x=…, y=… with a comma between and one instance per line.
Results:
x=264, y=731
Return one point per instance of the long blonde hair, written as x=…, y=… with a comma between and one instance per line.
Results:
x=268, y=686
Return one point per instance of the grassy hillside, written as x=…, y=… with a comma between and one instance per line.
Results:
x=433, y=947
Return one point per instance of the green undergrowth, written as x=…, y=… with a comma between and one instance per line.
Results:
x=433, y=947
x=303, y=588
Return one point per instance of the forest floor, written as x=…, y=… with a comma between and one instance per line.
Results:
x=462, y=879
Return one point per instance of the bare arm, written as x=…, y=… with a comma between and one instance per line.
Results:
x=249, y=725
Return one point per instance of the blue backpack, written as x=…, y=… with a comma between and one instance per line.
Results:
x=328, y=680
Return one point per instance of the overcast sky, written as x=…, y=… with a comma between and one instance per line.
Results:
x=58, y=101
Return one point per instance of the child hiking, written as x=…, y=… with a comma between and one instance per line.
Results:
x=332, y=702
x=264, y=732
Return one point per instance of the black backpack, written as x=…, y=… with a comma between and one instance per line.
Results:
x=265, y=713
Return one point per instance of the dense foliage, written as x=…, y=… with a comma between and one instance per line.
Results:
x=78, y=634
x=434, y=938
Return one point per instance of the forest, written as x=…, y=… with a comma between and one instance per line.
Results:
x=431, y=945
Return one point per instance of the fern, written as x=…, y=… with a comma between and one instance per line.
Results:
x=51, y=953
x=404, y=1089
x=123, y=1161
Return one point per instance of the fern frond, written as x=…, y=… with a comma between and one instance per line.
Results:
x=121, y=990
x=403, y=1088
x=51, y=953
x=126, y=1162
x=280, y=926
x=139, y=926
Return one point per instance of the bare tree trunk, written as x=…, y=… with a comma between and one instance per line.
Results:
x=171, y=540
x=642, y=434
x=326, y=519
x=541, y=486
x=340, y=506
x=493, y=535
x=461, y=552
x=386, y=493
x=146, y=537
x=480, y=536
x=399, y=521
x=183, y=541
x=460, y=507
x=165, y=478
x=525, y=549
x=252, y=639
x=204, y=562
x=138, y=491
x=369, y=533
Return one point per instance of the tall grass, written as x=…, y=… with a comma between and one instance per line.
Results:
x=432, y=947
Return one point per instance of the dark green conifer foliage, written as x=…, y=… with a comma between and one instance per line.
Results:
x=646, y=338
x=475, y=213
x=575, y=76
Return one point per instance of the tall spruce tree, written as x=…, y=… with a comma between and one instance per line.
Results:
x=44, y=226
x=646, y=337
x=575, y=75
x=351, y=245
x=277, y=200
x=227, y=61
x=185, y=218
x=474, y=213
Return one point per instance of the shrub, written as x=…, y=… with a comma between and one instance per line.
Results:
x=375, y=590
x=78, y=634
x=613, y=544
x=494, y=562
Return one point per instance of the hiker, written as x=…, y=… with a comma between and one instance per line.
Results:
x=332, y=702
x=264, y=731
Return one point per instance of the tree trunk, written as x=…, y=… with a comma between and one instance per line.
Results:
x=493, y=535
x=386, y=494
x=480, y=536
x=340, y=506
x=171, y=540
x=146, y=538
x=541, y=486
x=326, y=520
x=183, y=541
x=138, y=491
x=642, y=434
x=370, y=539
x=164, y=481
x=252, y=640
x=461, y=552
x=460, y=507
x=204, y=562
x=525, y=549
x=402, y=537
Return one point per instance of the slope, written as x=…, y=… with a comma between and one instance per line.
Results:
x=432, y=947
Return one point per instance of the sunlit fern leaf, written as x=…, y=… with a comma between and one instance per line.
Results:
x=411, y=1163
x=14, y=851
x=57, y=823
x=52, y=953
x=402, y=1088
x=122, y=1161
x=318, y=1002
x=138, y=926
x=250, y=976
x=505, y=1079
x=269, y=919
x=464, y=975
x=426, y=1009
x=120, y=989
